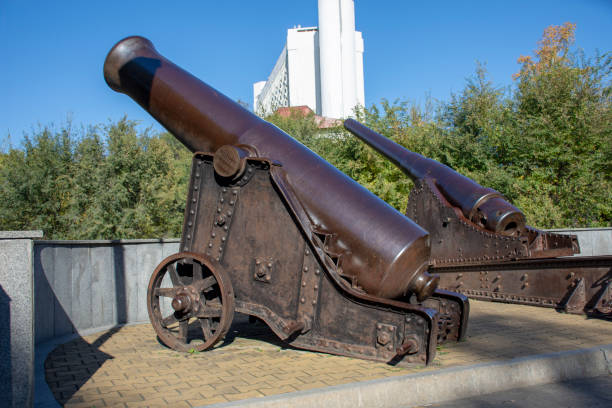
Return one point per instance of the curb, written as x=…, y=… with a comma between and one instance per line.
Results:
x=446, y=384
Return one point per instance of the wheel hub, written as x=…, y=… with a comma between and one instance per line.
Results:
x=186, y=300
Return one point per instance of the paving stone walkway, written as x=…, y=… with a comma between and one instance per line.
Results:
x=128, y=367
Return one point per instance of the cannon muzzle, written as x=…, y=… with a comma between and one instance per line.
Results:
x=378, y=248
x=483, y=206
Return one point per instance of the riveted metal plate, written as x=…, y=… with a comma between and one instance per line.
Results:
x=309, y=289
x=222, y=221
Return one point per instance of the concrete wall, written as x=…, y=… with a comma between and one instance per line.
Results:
x=81, y=285
x=593, y=241
x=16, y=318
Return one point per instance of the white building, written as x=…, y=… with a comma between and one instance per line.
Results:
x=320, y=67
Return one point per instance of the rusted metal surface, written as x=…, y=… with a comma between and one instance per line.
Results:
x=572, y=284
x=501, y=260
x=285, y=236
x=201, y=302
x=384, y=253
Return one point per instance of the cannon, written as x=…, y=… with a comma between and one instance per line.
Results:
x=482, y=247
x=273, y=231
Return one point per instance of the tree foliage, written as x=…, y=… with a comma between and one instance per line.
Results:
x=545, y=143
x=110, y=182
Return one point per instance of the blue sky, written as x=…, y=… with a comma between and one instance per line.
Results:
x=52, y=51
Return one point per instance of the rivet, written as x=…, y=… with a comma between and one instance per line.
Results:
x=199, y=162
x=229, y=213
x=379, y=326
x=186, y=248
x=303, y=283
x=218, y=258
x=188, y=236
x=317, y=271
x=234, y=192
x=257, y=262
x=195, y=187
x=197, y=175
x=225, y=228
x=314, y=302
x=231, y=202
x=316, y=287
x=213, y=235
x=269, y=264
x=191, y=212
x=303, y=300
x=224, y=190
x=220, y=249
x=210, y=244
x=222, y=200
x=307, y=252
x=190, y=223
x=305, y=269
x=222, y=239
x=219, y=209
x=268, y=278
x=250, y=170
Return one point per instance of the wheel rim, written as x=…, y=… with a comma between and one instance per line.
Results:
x=191, y=305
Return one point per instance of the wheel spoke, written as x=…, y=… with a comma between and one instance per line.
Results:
x=198, y=273
x=206, y=330
x=183, y=329
x=174, y=277
x=167, y=321
x=166, y=292
x=208, y=282
x=208, y=312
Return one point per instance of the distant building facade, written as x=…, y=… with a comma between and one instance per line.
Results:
x=319, y=67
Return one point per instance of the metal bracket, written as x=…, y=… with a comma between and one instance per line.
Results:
x=262, y=269
x=603, y=305
x=385, y=336
x=577, y=299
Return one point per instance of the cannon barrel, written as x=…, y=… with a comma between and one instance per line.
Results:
x=381, y=250
x=483, y=206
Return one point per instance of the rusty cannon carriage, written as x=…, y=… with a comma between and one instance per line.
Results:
x=482, y=247
x=273, y=231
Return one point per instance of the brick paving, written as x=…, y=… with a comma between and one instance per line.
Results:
x=128, y=367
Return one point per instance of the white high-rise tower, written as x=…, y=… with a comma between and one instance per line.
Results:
x=320, y=67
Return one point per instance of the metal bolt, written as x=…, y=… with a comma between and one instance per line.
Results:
x=269, y=264
x=303, y=300
x=314, y=302
x=307, y=252
x=316, y=287
x=268, y=278
x=231, y=202
x=305, y=269
x=213, y=235
x=317, y=271
x=219, y=209
x=225, y=228
x=197, y=175
x=222, y=239
x=210, y=244
x=224, y=189
x=379, y=326
x=222, y=200
x=303, y=283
